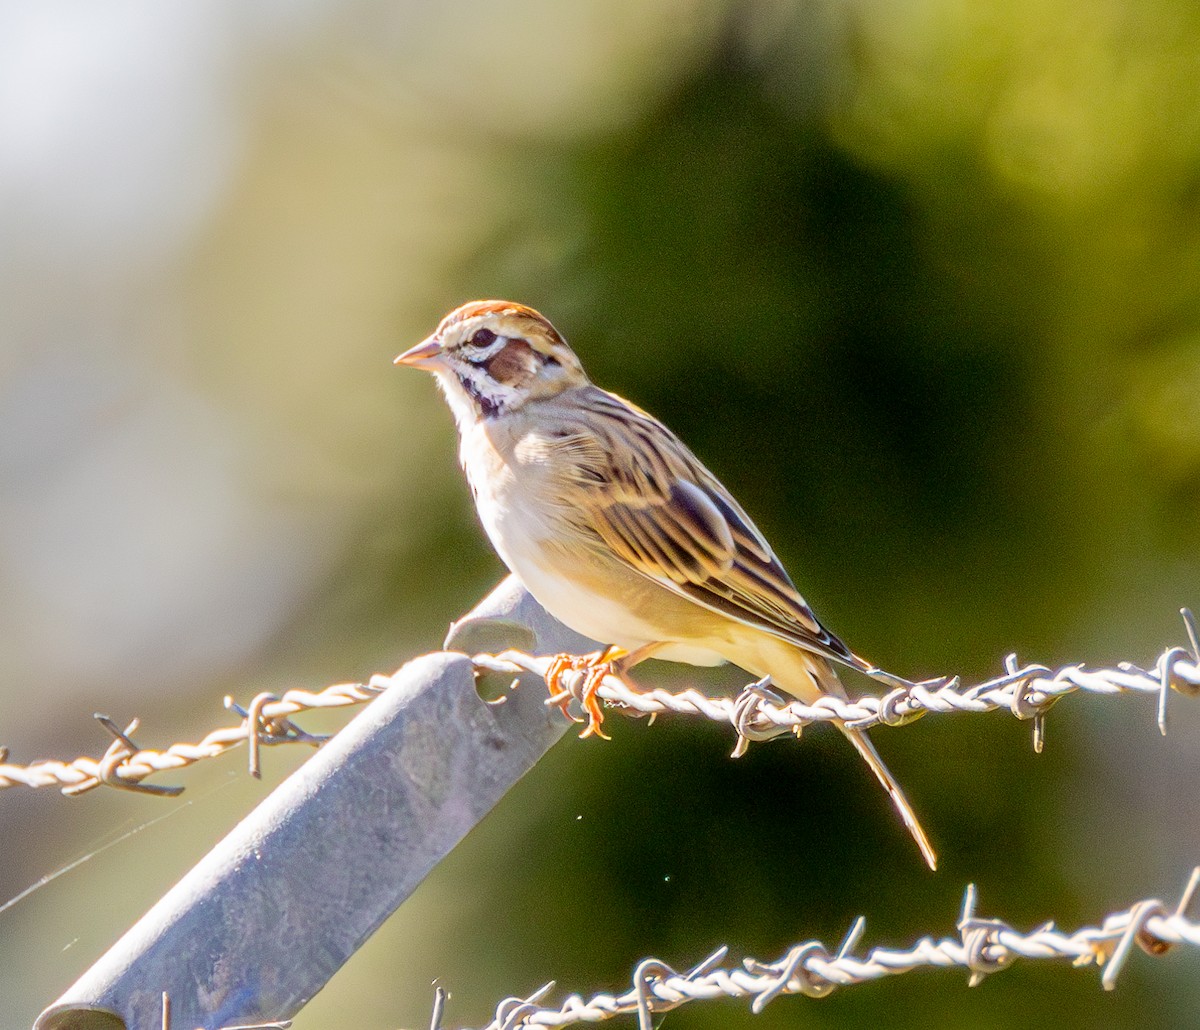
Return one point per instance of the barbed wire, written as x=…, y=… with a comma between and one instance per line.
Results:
x=124, y=765
x=757, y=713
x=982, y=947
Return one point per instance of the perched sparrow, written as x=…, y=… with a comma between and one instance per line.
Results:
x=615, y=526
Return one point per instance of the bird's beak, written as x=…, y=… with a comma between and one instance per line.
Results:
x=423, y=355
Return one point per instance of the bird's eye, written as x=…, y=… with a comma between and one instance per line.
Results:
x=482, y=338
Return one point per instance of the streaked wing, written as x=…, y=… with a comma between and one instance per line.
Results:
x=664, y=514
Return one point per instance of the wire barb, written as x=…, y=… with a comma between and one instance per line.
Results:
x=439, y=1007
x=1189, y=624
x=109, y=768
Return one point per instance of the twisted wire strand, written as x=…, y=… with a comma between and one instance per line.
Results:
x=758, y=713
x=982, y=947
x=125, y=765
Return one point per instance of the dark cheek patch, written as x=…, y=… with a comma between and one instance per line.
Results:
x=515, y=365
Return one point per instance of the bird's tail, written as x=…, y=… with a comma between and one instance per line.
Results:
x=863, y=745
x=807, y=676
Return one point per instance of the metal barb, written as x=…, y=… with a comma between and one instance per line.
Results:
x=1189, y=893
x=255, y=728
x=793, y=967
x=852, y=938
x=1020, y=705
x=967, y=912
x=232, y=706
x=707, y=965
x=746, y=711
x=108, y=768
x=1135, y=933
x=1189, y=624
x=542, y=991
x=647, y=971
x=512, y=1011
x=978, y=936
x=1166, y=680
x=439, y=1006
x=122, y=735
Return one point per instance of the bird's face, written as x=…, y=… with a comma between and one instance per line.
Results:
x=492, y=357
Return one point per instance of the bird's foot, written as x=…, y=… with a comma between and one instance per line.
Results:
x=560, y=696
x=593, y=668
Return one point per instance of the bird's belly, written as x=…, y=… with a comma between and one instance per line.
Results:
x=608, y=619
x=611, y=605
x=593, y=614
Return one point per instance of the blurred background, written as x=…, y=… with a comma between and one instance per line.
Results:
x=918, y=280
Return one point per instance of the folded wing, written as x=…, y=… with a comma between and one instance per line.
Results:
x=665, y=515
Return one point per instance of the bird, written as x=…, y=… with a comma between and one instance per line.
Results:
x=616, y=528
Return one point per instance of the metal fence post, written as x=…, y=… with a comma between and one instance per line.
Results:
x=264, y=920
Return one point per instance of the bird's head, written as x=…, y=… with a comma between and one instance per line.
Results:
x=494, y=356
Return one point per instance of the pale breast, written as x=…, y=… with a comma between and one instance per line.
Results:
x=522, y=511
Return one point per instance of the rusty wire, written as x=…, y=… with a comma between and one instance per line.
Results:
x=982, y=947
x=759, y=713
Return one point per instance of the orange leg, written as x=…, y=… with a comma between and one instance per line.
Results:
x=612, y=661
